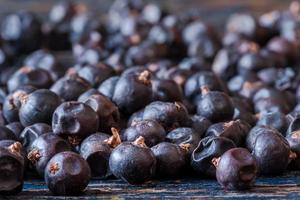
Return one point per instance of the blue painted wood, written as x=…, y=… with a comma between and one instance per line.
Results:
x=286, y=186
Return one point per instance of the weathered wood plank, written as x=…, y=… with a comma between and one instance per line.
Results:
x=286, y=186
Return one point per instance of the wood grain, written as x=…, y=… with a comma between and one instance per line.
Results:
x=286, y=186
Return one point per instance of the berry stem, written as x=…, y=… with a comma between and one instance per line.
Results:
x=34, y=155
x=204, y=90
x=215, y=161
x=292, y=156
x=140, y=141
x=144, y=77
x=15, y=147
x=115, y=139
x=185, y=147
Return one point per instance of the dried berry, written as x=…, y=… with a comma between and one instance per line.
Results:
x=107, y=111
x=171, y=159
x=74, y=121
x=169, y=115
x=96, y=150
x=133, y=91
x=38, y=107
x=11, y=169
x=236, y=169
x=209, y=148
x=44, y=148
x=215, y=106
x=133, y=162
x=67, y=173
x=152, y=132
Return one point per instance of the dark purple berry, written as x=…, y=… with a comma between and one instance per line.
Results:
x=7, y=134
x=133, y=162
x=294, y=142
x=107, y=111
x=96, y=150
x=74, y=121
x=171, y=159
x=84, y=96
x=95, y=74
x=44, y=148
x=207, y=149
x=169, y=115
x=30, y=133
x=45, y=60
x=67, y=173
x=21, y=32
x=107, y=87
x=70, y=87
x=215, y=106
x=276, y=120
x=235, y=130
x=272, y=153
x=11, y=169
x=202, y=79
x=12, y=103
x=38, y=107
x=133, y=91
x=16, y=128
x=166, y=90
x=184, y=136
x=152, y=132
x=35, y=77
x=236, y=169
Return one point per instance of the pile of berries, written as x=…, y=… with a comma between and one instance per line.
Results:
x=146, y=94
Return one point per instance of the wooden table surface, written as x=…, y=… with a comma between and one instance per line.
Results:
x=283, y=187
x=286, y=186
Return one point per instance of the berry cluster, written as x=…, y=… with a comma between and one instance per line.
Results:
x=147, y=94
